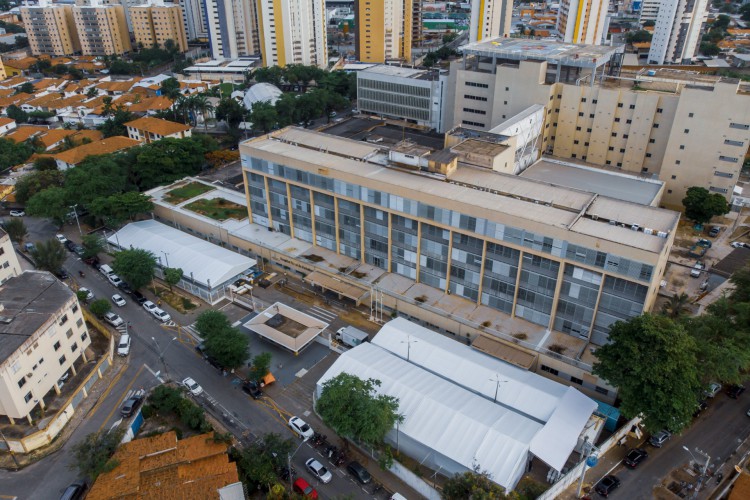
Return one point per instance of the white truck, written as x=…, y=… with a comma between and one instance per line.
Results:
x=350, y=336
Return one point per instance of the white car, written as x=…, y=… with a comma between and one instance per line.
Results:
x=149, y=306
x=61, y=238
x=114, y=279
x=118, y=300
x=123, y=347
x=89, y=295
x=192, y=386
x=300, y=427
x=113, y=319
x=738, y=244
x=161, y=315
x=17, y=213
x=319, y=471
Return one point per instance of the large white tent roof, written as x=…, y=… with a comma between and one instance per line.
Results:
x=198, y=258
x=442, y=416
x=261, y=92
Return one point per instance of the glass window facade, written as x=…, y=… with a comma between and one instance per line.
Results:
x=577, y=301
x=433, y=256
x=466, y=266
x=536, y=288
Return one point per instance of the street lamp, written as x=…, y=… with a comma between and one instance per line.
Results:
x=166, y=257
x=161, y=352
x=704, y=469
x=497, y=385
x=75, y=212
x=289, y=463
x=408, y=343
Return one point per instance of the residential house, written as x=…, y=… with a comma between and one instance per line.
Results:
x=6, y=125
x=147, y=129
x=72, y=157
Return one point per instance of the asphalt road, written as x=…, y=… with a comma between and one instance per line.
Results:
x=49, y=477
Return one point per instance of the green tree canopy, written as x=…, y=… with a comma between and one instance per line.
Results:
x=475, y=485
x=100, y=307
x=49, y=255
x=26, y=88
x=211, y=321
x=12, y=153
x=120, y=207
x=745, y=12
x=95, y=177
x=116, y=124
x=229, y=347
x=93, y=455
x=352, y=407
x=230, y=111
x=258, y=463
x=653, y=362
x=17, y=114
x=638, y=36
x=92, y=245
x=16, y=229
x=172, y=276
x=261, y=366
x=263, y=115
x=700, y=205
x=170, y=88
x=135, y=266
x=51, y=202
x=270, y=74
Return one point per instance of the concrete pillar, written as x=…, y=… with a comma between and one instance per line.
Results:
x=73, y=369
x=57, y=389
x=557, y=72
x=12, y=420
x=28, y=417
x=494, y=64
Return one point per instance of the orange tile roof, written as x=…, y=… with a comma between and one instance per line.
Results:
x=6, y=92
x=15, y=99
x=158, y=126
x=46, y=83
x=118, y=86
x=24, y=63
x=741, y=488
x=93, y=135
x=642, y=45
x=16, y=80
x=161, y=467
x=67, y=101
x=110, y=145
x=22, y=133
x=45, y=99
x=54, y=136
x=5, y=121
x=156, y=103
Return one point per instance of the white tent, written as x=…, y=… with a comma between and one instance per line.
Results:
x=445, y=426
x=261, y=92
x=203, y=261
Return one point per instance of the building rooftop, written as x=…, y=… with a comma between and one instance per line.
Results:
x=28, y=301
x=567, y=54
x=382, y=133
x=286, y=326
x=110, y=145
x=158, y=126
x=400, y=72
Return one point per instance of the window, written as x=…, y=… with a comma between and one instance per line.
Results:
x=677, y=162
x=730, y=142
x=690, y=115
x=580, y=114
x=57, y=345
x=625, y=136
x=614, y=134
x=594, y=101
x=27, y=397
x=588, y=130
x=478, y=85
x=740, y=126
x=687, y=130
x=728, y=175
x=648, y=155
x=62, y=359
x=651, y=141
x=473, y=124
x=475, y=97
x=576, y=380
x=632, y=106
x=628, y=121
x=79, y=323
x=74, y=347
x=601, y=390
x=69, y=333
x=611, y=148
x=22, y=382
x=578, y=128
x=549, y=370
x=730, y=159
x=656, y=125
x=674, y=177
x=63, y=319
x=622, y=150
x=75, y=308
x=575, y=142
x=617, y=120
x=84, y=336
x=619, y=104
x=583, y=99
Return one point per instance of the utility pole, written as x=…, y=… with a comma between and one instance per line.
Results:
x=589, y=460
x=289, y=457
x=75, y=212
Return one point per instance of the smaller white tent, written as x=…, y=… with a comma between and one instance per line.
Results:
x=261, y=92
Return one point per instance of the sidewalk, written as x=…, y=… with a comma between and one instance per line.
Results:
x=606, y=464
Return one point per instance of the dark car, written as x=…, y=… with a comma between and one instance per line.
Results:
x=635, y=457
x=264, y=283
x=74, y=492
x=78, y=250
x=63, y=274
x=70, y=245
x=129, y=407
x=607, y=485
x=253, y=389
x=92, y=261
x=714, y=232
x=734, y=391
x=359, y=472
x=125, y=288
x=138, y=297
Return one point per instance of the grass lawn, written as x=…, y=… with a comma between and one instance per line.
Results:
x=180, y=194
x=218, y=209
x=227, y=88
x=179, y=302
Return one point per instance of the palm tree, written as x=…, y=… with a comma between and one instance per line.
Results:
x=16, y=230
x=202, y=105
x=676, y=306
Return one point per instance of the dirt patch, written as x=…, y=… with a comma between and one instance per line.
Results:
x=218, y=209
x=178, y=302
x=191, y=190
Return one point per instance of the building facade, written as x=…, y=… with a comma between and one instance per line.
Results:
x=51, y=29
x=154, y=24
x=194, y=18
x=648, y=128
x=384, y=30
x=490, y=19
x=293, y=32
x=232, y=28
x=649, y=10
x=677, y=32
x=402, y=93
x=9, y=266
x=102, y=29
x=582, y=21
x=146, y=130
x=43, y=336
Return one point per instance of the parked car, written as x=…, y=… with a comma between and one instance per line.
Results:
x=113, y=319
x=303, y=488
x=252, y=389
x=695, y=272
x=114, y=279
x=29, y=247
x=125, y=288
x=738, y=244
x=74, y=491
x=138, y=297
x=132, y=404
x=89, y=295
x=714, y=231
x=607, y=485
x=300, y=427
x=161, y=315
x=70, y=245
x=359, y=472
x=149, y=306
x=661, y=437
x=62, y=274
x=123, y=347
x=264, y=283
x=635, y=457
x=79, y=251
x=319, y=471
x=712, y=390
x=118, y=300
x=17, y=213
x=734, y=391
x=61, y=238
x=192, y=386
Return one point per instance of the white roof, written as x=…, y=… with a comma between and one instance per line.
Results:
x=442, y=416
x=204, y=260
x=563, y=410
x=261, y=92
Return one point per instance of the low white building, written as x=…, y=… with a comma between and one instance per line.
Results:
x=6, y=125
x=261, y=92
x=9, y=265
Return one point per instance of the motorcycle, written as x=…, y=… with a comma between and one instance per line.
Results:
x=81, y=274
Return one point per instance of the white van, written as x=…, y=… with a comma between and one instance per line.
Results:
x=398, y=496
x=106, y=270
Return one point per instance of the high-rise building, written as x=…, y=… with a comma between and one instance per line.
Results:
x=156, y=23
x=649, y=10
x=51, y=29
x=489, y=19
x=102, y=29
x=582, y=21
x=127, y=5
x=416, y=22
x=383, y=30
x=678, y=31
x=232, y=28
x=293, y=32
x=194, y=17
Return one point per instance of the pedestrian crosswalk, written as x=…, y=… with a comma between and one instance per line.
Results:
x=322, y=314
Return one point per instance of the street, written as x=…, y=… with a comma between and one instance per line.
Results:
x=222, y=396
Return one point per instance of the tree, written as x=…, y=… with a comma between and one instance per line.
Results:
x=202, y=106
x=30, y=184
x=228, y=346
x=17, y=114
x=270, y=74
x=93, y=455
x=165, y=161
x=100, y=307
x=16, y=229
x=95, y=177
x=26, y=88
x=352, y=407
x=172, y=276
x=116, y=124
x=676, y=306
x=741, y=281
x=745, y=12
x=170, y=88
x=46, y=162
x=51, y=202
x=120, y=207
x=92, y=245
x=709, y=49
x=653, y=362
x=476, y=485
x=135, y=266
x=230, y=111
x=210, y=321
x=259, y=463
x=639, y=36
x=261, y=366
x=263, y=115
x=700, y=205
x=649, y=24
x=92, y=92
x=12, y=153
x=49, y=255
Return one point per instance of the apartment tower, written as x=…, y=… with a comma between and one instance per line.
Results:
x=51, y=29
x=490, y=18
x=582, y=21
x=293, y=32
x=232, y=28
x=678, y=31
x=156, y=23
x=194, y=18
x=102, y=29
x=384, y=30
